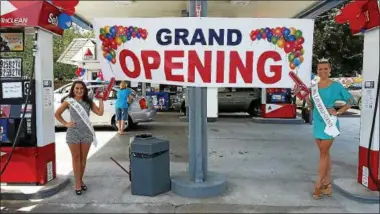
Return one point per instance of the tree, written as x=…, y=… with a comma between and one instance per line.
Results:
x=65, y=71
x=60, y=43
x=335, y=41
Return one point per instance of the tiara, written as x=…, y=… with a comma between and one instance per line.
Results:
x=323, y=60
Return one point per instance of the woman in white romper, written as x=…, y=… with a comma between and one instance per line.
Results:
x=79, y=137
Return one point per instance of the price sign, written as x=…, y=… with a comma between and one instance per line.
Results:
x=11, y=67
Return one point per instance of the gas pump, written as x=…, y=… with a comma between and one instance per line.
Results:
x=27, y=144
x=277, y=103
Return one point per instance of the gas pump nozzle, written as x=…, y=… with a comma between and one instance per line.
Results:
x=300, y=90
x=103, y=93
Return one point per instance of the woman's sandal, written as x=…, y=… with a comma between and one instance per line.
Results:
x=327, y=189
x=84, y=187
x=317, y=193
x=78, y=192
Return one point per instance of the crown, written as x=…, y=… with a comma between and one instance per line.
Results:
x=323, y=60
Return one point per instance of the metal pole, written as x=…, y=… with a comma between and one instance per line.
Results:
x=197, y=116
x=200, y=183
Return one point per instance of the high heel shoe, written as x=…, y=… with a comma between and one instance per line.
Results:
x=317, y=193
x=327, y=189
x=84, y=187
x=78, y=192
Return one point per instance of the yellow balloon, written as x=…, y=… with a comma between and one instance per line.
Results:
x=107, y=29
x=292, y=31
x=118, y=40
x=281, y=43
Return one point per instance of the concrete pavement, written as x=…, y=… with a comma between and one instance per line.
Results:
x=269, y=168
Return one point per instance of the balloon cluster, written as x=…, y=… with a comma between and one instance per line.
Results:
x=100, y=77
x=80, y=71
x=289, y=39
x=114, y=36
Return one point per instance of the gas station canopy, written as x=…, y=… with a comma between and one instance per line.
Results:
x=86, y=11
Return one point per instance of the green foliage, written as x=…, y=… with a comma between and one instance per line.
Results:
x=61, y=71
x=335, y=41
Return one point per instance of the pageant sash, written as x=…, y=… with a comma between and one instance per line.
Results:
x=329, y=120
x=83, y=114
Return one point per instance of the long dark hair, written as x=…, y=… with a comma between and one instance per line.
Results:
x=71, y=94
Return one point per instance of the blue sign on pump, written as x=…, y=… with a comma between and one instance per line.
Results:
x=64, y=21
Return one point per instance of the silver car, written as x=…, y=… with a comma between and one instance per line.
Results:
x=140, y=110
x=230, y=100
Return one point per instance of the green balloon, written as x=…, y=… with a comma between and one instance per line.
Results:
x=302, y=51
x=102, y=31
x=262, y=30
x=274, y=40
x=291, y=57
x=136, y=29
x=123, y=38
x=113, y=53
x=298, y=34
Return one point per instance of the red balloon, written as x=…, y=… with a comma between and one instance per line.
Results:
x=264, y=36
x=298, y=47
x=300, y=40
x=143, y=35
x=114, y=46
x=102, y=38
x=113, y=60
x=288, y=47
x=65, y=4
x=69, y=10
x=297, y=54
x=134, y=34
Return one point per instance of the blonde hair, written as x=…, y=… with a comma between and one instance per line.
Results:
x=123, y=84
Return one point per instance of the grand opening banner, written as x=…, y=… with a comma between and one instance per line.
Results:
x=206, y=52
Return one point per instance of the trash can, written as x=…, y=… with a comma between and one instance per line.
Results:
x=150, y=165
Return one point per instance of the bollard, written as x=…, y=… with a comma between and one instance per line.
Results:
x=150, y=165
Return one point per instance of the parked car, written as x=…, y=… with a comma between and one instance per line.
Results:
x=140, y=110
x=230, y=100
x=356, y=91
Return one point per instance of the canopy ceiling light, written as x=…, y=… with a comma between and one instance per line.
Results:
x=123, y=2
x=239, y=2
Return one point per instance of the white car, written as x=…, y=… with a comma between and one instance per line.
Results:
x=140, y=110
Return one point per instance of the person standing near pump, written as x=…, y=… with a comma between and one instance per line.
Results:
x=121, y=106
x=324, y=94
x=80, y=133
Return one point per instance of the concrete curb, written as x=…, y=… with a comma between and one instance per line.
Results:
x=13, y=192
x=296, y=121
x=353, y=190
x=209, y=119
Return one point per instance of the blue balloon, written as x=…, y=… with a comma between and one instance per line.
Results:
x=109, y=36
x=286, y=32
x=297, y=61
x=131, y=29
x=138, y=35
x=129, y=37
x=269, y=39
x=64, y=21
x=292, y=38
x=312, y=76
x=109, y=57
x=267, y=30
x=113, y=30
x=259, y=36
x=83, y=70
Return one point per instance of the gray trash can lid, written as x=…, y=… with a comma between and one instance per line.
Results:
x=145, y=136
